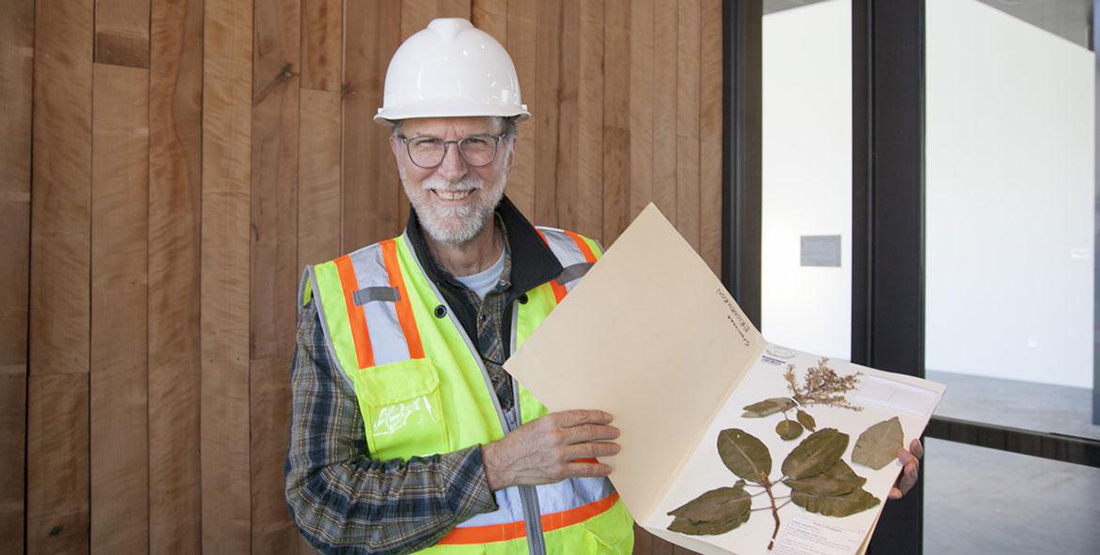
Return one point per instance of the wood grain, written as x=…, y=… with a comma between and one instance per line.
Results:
x=665, y=75
x=274, y=271
x=491, y=16
x=548, y=49
x=57, y=462
x=370, y=177
x=687, y=122
x=415, y=16
x=522, y=44
x=226, y=203
x=642, y=89
x=568, y=153
x=17, y=64
x=587, y=201
x=616, y=120
x=60, y=293
x=322, y=44
x=319, y=178
x=175, y=186
x=455, y=8
x=122, y=32
x=710, y=134
x=119, y=373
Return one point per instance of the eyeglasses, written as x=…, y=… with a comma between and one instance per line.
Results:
x=428, y=152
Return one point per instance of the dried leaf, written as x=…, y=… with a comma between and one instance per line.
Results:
x=838, y=480
x=745, y=455
x=715, y=512
x=788, y=429
x=768, y=407
x=835, y=505
x=879, y=444
x=816, y=454
x=806, y=420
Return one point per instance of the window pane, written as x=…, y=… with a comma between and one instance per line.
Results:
x=981, y=500
x=1010, y=213
x=807, y=175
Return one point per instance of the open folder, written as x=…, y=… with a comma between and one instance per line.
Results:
x=653, y=337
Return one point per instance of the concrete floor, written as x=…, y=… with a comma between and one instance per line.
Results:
x=982, y=501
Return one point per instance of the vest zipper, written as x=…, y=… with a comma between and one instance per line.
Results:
x=532, y=516
x=529, y=495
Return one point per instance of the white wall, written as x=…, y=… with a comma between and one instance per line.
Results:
x=1009, y=201
x=807, y=175
x=1009, y=197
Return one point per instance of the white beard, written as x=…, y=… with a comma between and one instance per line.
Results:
x=455, y=225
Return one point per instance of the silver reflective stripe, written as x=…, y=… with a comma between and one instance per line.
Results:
x=567, y=252
x=384, y=294
x=574, y=272
x=387, y=338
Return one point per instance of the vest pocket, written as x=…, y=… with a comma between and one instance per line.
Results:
x=402, y=409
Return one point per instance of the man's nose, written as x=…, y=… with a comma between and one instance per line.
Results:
x=453, y=167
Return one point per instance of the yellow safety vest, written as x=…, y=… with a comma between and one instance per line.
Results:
x=423, y=389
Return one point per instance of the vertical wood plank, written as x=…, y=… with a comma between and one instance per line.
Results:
x=710, y=134
x=568, y=155
x=642, y=88
x=175, y=200
x=119, y=379
x=17, y=64
x=226, y=203
x=415, y=16
x=371, y=200
x=665, y=74
x=322, y=44
x=547, y=95
x=122, y=32
x=687, y=122
x=616, y=120
x=588, y=200
x=57, y=460
x=274, y=271
x=521, y=43
x=319, y=178
x=60, y=293
x=454, y=8
x=491, y=16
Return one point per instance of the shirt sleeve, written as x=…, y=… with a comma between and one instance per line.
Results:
x=344, y=502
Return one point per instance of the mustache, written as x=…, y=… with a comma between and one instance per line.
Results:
x=467, y=183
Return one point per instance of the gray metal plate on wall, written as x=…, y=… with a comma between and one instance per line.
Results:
x=821, y=250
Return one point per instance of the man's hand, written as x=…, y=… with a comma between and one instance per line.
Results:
x=547, y=450
x=911, y=462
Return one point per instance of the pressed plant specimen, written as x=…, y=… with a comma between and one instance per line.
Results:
x=820, y=386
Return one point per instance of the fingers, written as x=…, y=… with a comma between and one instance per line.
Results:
x=589, y=432
x=585, y=470
x=590, y=450
x=916, y=449
x=895, y=493
x=570, y=418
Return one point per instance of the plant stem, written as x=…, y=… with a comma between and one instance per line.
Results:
x=775, y=514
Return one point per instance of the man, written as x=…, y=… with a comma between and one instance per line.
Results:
x=407, y=433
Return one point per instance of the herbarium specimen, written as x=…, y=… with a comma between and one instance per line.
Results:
x=820, y=482
x=821, y=386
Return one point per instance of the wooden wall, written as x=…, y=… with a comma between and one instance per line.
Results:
x=168, y=166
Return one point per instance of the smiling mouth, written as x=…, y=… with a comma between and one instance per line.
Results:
x=452, y=195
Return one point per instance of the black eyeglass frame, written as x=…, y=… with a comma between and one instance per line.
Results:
x=458, y=143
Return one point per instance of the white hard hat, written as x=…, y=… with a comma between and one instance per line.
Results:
x=451, y=69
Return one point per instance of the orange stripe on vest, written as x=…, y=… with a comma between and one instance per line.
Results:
x=513, y=530
x=356, y=318
x=404, y=304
